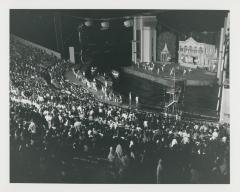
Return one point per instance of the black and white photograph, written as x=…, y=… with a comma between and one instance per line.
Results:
x=119, y=96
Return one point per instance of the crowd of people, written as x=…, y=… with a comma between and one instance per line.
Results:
x=167, y=70
x=53, y=128
x=102, y=89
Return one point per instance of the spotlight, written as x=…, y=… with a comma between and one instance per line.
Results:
x=105, y=25
x=128, y=23
x=88, y=23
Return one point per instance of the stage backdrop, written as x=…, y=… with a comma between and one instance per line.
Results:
x=171, y=40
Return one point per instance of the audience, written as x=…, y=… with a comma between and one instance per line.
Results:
x=55, y=124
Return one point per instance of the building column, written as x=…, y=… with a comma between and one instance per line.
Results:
x=71, y=55
x=134, y=42
x=220, y=56
x=154, y=45
x=147, y=29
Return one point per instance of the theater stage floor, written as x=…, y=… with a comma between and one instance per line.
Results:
x=197, y=77
x=198, y=100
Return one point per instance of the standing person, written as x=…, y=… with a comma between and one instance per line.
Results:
x=159, y=172
x=136, y=100
x=130, y=98
x=184, y=72
x=111, y=155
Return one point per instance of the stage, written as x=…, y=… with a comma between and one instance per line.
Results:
x=198, y=101
x=193, y=78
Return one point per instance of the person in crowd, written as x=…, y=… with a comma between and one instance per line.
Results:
x=52, y=126
x=160, y=172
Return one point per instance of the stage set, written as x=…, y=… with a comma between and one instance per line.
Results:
x=190, y=81
x=166, y=72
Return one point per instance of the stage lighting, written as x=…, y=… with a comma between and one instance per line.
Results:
x=105, y=25
x=128, y=23
x=88, y=23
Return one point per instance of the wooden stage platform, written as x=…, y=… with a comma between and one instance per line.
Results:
x=194, y=78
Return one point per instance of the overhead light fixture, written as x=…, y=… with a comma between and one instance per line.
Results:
x=88, y=23
x=105, y=25
x=128, y=23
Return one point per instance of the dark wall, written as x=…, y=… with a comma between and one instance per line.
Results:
x=38, y=28
x=108, y=48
